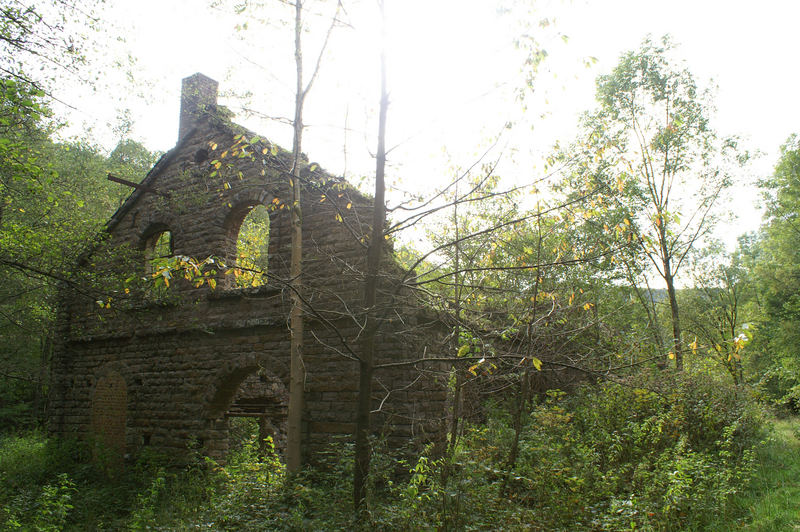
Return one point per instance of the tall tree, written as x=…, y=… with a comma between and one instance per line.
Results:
x=297, y=368
x=773, y=258
x=650, y=147
x=374, y=255
x=303, y=84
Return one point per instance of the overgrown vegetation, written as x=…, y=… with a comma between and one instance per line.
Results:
x=562, y=285
x=655, y=452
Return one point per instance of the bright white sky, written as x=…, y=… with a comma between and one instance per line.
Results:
x=453, y=70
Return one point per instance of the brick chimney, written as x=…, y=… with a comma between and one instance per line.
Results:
x=198, y=96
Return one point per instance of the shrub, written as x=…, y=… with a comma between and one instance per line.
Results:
x=658, y=451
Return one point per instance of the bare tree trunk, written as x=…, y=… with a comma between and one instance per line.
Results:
x=522, y=395
x=297, y=372
x=676, y=324
x=677, y=347
x=456, y=413
x=366, y=362
x=525, y=378
x=648, y=305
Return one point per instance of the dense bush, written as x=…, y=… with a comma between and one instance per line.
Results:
x=664, y=452
x=656, y=452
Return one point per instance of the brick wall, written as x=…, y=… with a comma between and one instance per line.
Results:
x=110, y=411
x=180, y=358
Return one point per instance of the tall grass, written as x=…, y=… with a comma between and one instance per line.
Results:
x=773, y=501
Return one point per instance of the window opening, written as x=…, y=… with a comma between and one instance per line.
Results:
x=252, y=247
x=158, y=250
x=163, y=246
x=158, y=246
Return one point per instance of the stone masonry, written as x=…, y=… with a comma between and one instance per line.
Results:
x=167, y=369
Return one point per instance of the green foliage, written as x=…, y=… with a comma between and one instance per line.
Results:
x=664, y=452
x=715, y=312
x=773, y=263
x=647, y=177
x=54, y=198
x=252, y=247
x=772, y=495
x=40, y=481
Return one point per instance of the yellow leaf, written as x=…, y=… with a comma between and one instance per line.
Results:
x=587, y=306
x=536, y=363
x=463, y=350
x=213, y=146
x=212, y=283
x=349, y=205
x=127, y=290
x=671, y=356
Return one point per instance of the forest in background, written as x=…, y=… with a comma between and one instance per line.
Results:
x=605, y=266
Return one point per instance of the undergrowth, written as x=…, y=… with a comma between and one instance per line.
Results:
x=657, y=452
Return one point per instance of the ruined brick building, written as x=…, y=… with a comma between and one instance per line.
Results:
x=168, y=367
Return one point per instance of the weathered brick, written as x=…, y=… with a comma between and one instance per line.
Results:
x=166, y=371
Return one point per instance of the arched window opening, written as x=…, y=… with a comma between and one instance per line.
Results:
x=158, y=248
x=252, y=246
x=157, y=252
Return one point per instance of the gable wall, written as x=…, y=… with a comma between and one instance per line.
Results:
x=178, y=355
